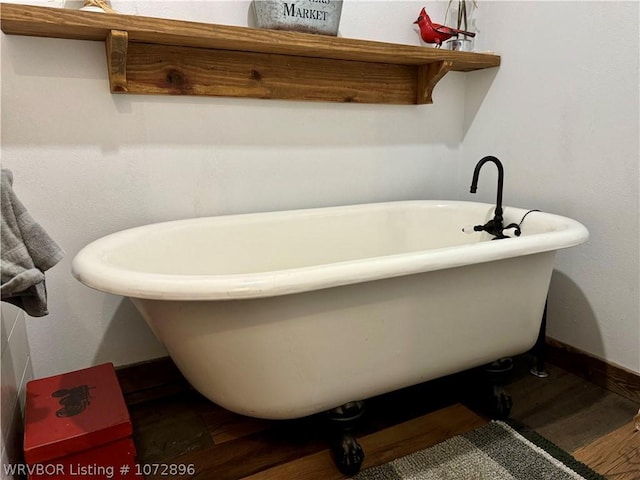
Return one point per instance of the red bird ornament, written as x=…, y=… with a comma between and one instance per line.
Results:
x=434, y=32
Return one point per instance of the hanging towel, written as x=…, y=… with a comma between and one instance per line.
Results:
x=27, y=252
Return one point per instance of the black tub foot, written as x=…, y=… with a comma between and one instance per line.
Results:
x=498, y=401
x=347, y=452
x=501, y=403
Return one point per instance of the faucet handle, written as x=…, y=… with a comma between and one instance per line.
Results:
x=495, y=228
x=472, y=228
x=517, y=232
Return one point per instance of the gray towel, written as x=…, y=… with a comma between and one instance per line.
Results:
x=27, y=252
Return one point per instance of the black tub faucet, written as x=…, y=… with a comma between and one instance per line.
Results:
x=494, y=226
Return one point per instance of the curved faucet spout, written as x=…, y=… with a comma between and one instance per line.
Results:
x=494, y=226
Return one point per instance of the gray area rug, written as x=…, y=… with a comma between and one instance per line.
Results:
x=495, y=451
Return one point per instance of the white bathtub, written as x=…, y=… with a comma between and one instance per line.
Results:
x=285, y=314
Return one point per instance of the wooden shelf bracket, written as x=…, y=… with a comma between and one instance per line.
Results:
x=428, y=76
x=117, y=44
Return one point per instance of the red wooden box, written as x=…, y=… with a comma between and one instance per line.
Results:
x=77, y=427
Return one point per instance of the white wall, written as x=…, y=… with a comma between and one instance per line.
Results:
x=562, y=113
x=87, y=163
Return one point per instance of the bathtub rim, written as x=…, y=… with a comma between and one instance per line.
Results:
x=88, y=267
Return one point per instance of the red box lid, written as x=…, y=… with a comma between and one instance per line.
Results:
x=72, y=412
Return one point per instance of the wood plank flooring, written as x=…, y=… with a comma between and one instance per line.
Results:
x=615, y=455
x=566, y=409
x=383, y=446
x=593, y=424
x=185, y=428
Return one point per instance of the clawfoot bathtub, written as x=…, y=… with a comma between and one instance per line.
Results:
x=286, y=314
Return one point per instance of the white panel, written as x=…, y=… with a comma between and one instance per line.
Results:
x=7, y=321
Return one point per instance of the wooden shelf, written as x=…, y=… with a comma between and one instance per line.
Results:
x=158, y=56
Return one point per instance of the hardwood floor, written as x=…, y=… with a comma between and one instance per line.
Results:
x=566, y=409
x=382, y=446
x=615, y=455
x=185, y=428
x=594, y=424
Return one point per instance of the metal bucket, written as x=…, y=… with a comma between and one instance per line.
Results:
x=309, y=16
